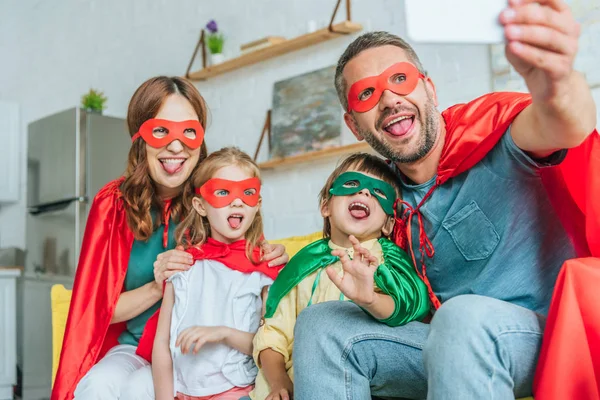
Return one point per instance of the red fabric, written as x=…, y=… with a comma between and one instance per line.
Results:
x=231, y=255
x=100, y=274
x=569, y=362
x=472, y=130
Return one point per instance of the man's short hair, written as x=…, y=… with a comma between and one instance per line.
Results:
x=367, y=41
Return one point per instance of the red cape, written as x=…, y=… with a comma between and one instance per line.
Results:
x=98, y=282
x=233, y=256
x=569, y=364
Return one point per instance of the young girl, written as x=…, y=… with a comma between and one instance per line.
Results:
x=210, y=313
x=355, y=261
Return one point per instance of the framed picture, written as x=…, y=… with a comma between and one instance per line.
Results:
x=306, y=115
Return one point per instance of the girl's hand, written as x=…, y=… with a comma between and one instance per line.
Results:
x=275, y=254
x=170, y=262
x=194, y=337
x=357, y=283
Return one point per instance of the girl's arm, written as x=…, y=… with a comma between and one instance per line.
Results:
x=239, y=340
x=162, y=363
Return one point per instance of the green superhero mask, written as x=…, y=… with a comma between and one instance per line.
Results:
x=353, y=182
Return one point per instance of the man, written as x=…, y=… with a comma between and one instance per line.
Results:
x=490, y=238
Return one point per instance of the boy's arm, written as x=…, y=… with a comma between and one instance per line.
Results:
x=162, y=363
x=403, y=296
x=273, y=341
x=273, y=366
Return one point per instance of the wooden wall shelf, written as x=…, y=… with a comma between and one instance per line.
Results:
x=275, y=50
x=315, y=155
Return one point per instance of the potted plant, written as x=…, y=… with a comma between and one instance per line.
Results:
x=214, y=41
x=93, y=101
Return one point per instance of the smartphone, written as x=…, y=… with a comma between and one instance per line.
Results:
x=455, y=21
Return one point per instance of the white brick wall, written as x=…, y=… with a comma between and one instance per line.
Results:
x=52, y=52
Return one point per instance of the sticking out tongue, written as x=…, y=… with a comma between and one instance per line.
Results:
x=358, y=212
x=234, y=222
x=172, y=167
x=400, y=128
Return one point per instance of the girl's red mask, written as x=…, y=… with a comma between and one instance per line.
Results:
x=234, y=189
x=190, y=133
x=390, y=79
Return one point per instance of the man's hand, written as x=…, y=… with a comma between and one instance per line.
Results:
x=357, y=283
x=542, y=43
x=542, y=40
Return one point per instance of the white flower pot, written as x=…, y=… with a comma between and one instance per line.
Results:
x=217, y=58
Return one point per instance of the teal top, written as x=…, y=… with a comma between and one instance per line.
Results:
x=140, y=271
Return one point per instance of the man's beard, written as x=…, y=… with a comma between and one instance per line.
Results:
x=427, y=136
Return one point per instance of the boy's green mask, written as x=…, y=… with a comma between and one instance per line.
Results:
x=353, y=182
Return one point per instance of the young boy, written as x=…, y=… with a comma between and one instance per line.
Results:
x=361, y=264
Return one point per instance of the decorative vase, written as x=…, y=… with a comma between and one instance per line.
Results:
x=216, y=58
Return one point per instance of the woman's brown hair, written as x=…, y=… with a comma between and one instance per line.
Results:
x=195, y=229
x=360, y=162
x=139, y=190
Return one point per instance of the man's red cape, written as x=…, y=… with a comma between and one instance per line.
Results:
x=569, y=364
x=98, y=283
x=231, y=255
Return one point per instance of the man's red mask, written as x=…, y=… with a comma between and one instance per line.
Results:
x=222, y=192
x=401, y=78
x=160, y=132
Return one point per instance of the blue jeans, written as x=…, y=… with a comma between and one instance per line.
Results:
x=475, y=348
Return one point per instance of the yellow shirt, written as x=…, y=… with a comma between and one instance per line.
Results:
x=277, y=333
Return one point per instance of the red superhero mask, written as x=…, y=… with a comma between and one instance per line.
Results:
x=222, y=192
x=401, y=78
x=160, y=132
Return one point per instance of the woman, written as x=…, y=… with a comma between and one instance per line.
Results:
x=128, y=246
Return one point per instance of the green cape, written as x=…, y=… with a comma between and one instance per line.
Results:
x=396, y=277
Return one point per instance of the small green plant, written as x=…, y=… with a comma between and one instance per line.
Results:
x=214, y=39
x=93, y=100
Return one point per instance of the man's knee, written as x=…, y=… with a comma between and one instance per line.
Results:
x=457, y=323
x=320, y=320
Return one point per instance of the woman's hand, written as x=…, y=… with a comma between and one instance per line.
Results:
x=193, y=338
x=170, y=262
x=275, y=254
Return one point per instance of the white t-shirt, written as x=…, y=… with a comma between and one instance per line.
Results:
x=211, y=294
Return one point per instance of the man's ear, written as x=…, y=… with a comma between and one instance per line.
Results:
x=351, y=124
x=325, y=213
x=431, y=88
x=198, y=206
x=388, y=227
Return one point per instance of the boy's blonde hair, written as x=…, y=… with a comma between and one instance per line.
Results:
x=195, y=229
x=360, y=162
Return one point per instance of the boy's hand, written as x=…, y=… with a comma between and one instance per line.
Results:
x=357, y=283
x=194, y=337
x=280, y=393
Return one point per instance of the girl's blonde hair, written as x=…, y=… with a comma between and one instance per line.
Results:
x=195, y=229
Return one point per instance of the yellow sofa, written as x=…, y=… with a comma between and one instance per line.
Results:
x=61, y=298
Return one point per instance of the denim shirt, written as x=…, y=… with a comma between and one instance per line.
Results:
x=494, y=230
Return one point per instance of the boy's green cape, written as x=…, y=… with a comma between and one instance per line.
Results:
x=396, y=277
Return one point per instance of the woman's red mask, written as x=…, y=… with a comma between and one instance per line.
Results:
x=401, y=78
x=222, y=192
x=160, y=132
